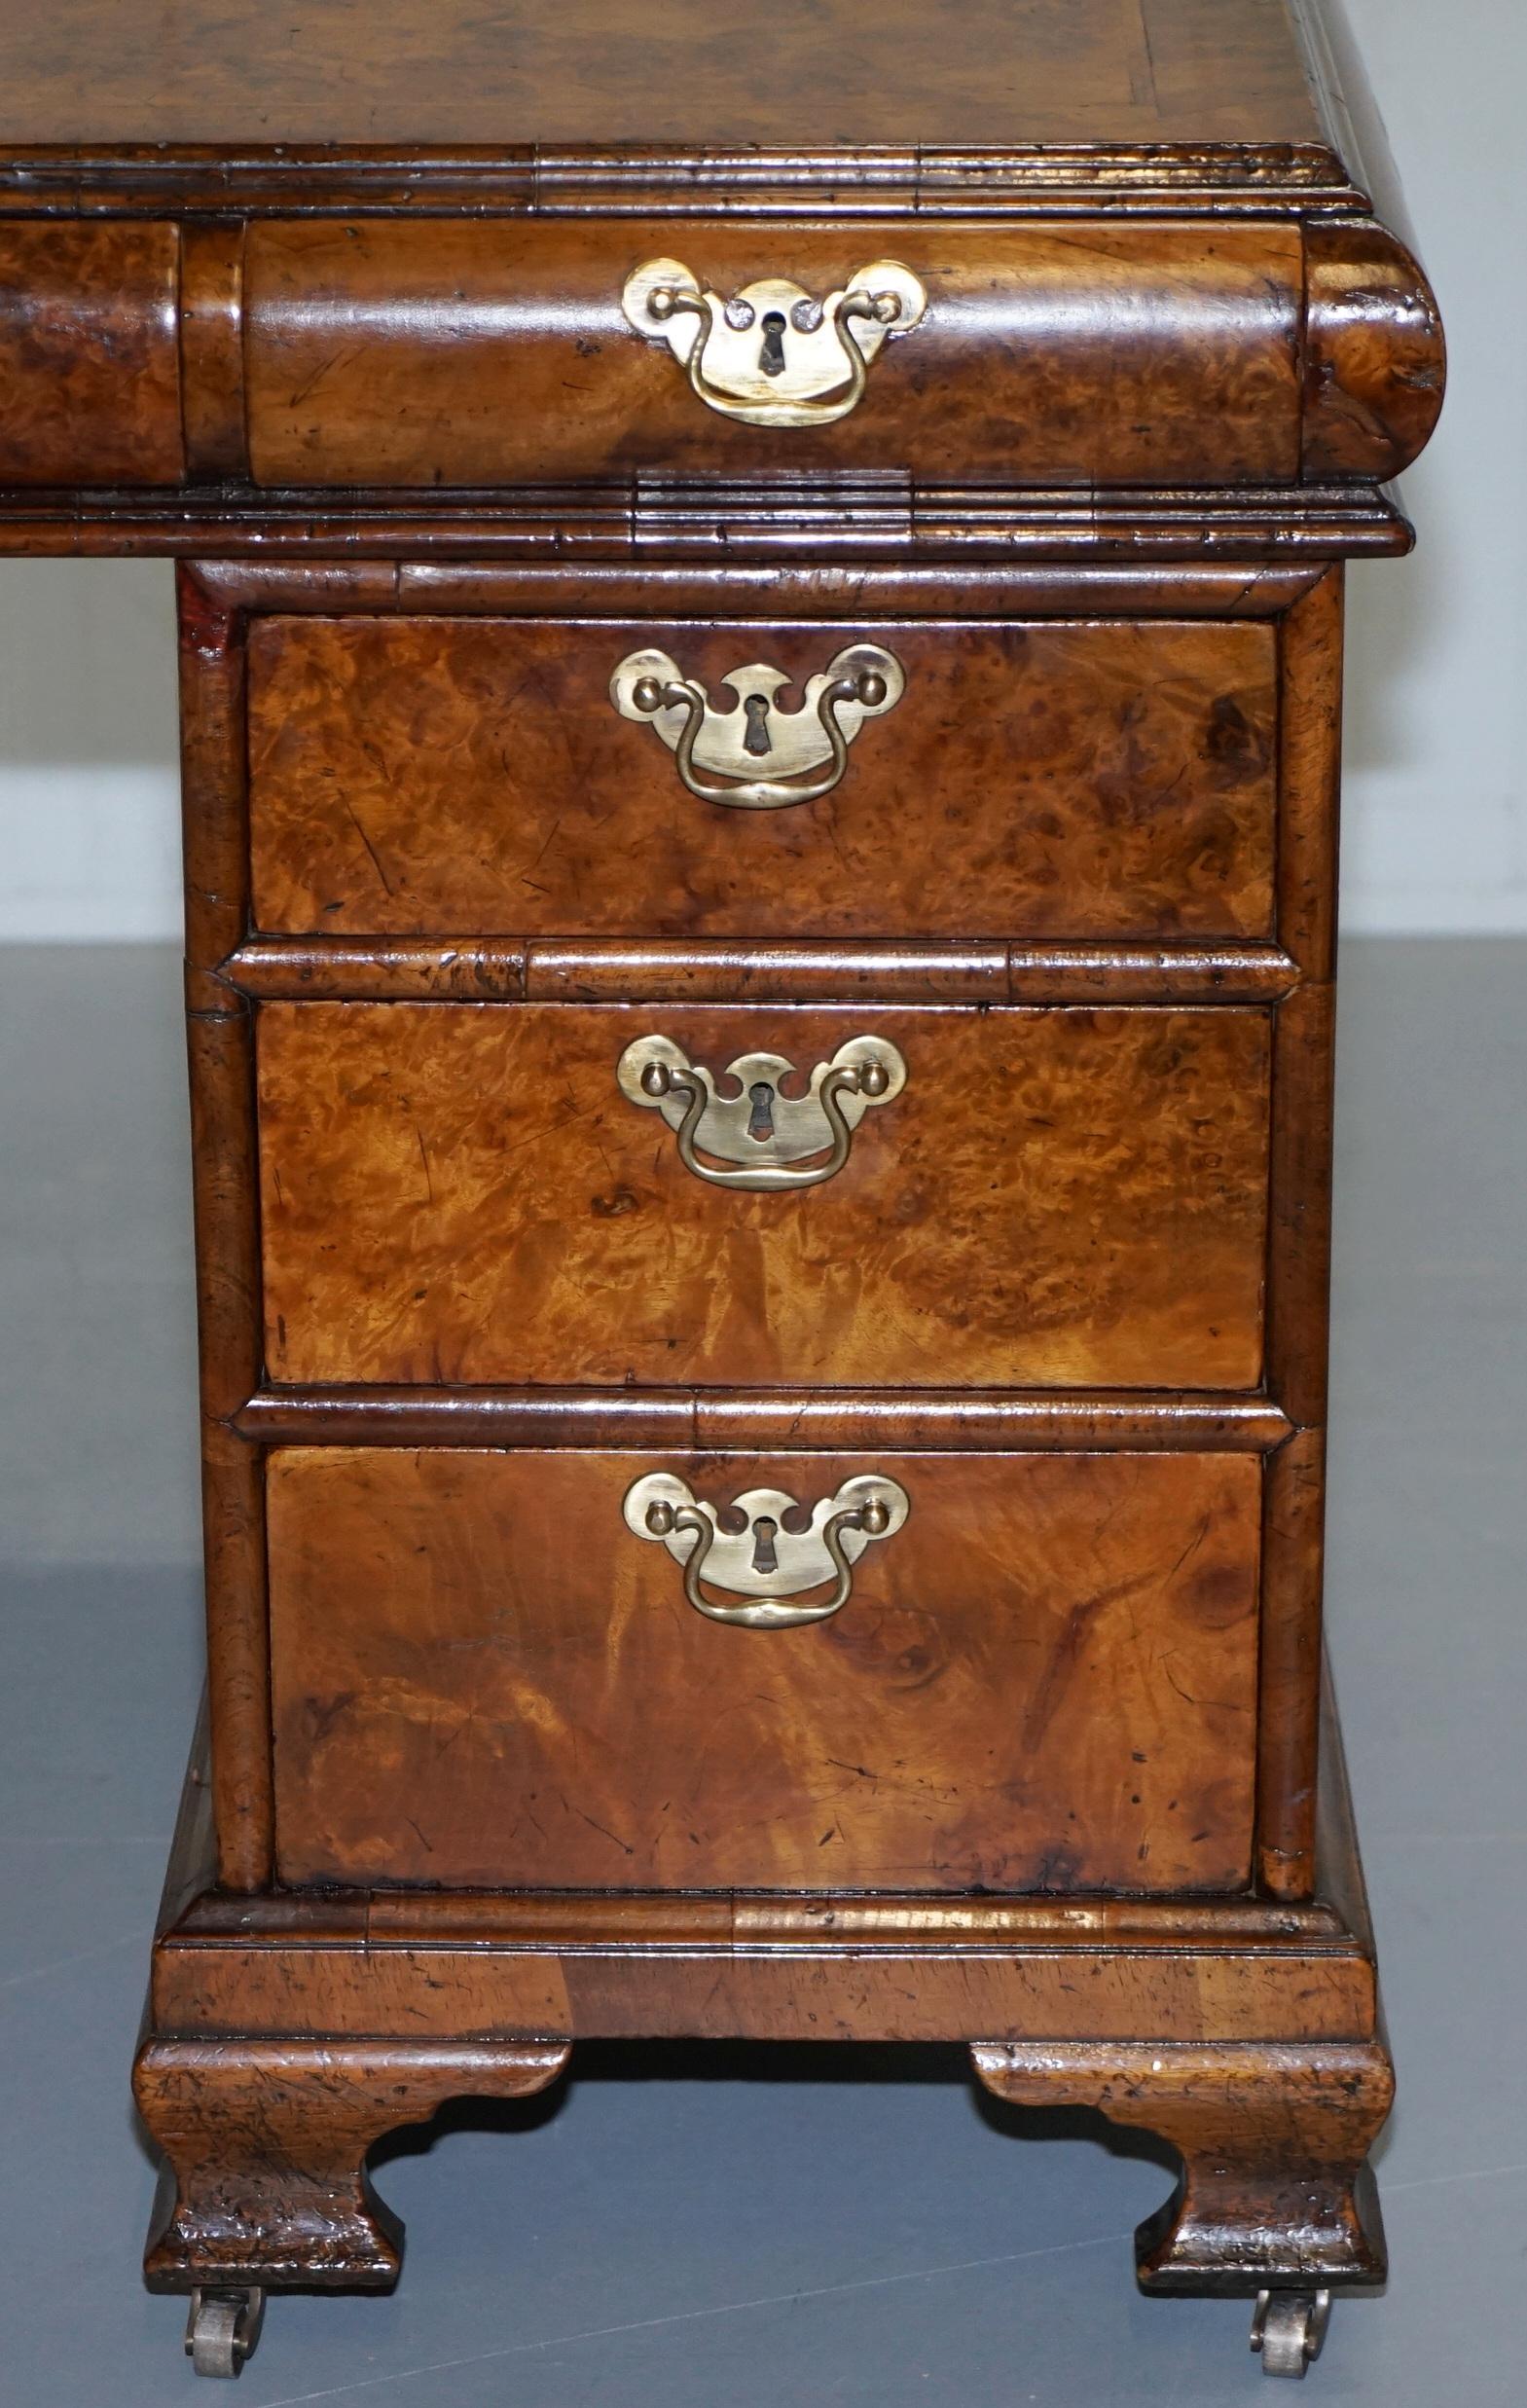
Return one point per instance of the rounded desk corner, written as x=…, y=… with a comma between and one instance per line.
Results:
x=1376, y=360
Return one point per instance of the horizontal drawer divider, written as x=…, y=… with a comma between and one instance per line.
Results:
x=750, y=1919
x=955, y=571
x=511, y=969
x=838, y=1422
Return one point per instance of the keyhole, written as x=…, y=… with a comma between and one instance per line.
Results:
x=757, y=710
x=771, y=359
x=760, y=1122
x=764, y=1557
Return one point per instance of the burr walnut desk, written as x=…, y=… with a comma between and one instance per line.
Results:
x=761, y=642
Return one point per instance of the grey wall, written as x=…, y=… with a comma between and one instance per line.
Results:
x=1436, y=792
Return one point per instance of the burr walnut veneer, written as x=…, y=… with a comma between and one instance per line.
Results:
x=761, y=665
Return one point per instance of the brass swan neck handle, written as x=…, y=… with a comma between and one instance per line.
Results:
x=750, y=1551
x=863, y=682
x=761, y=1139
x=773, y=354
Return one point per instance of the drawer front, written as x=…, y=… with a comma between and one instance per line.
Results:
x=445, y=777
x=473, y=353
x=1044, y=1679
x=468, y=1193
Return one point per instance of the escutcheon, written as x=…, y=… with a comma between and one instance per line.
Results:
x=776, y=1140
x=749, y=1549
x=863, y=682
x=773, y=354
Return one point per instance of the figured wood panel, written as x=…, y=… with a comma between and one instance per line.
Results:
x=433, y=777
x=1045, y=1680
x=469, y=351
x=692, y=71
x=462, y=1193
x=90, y=369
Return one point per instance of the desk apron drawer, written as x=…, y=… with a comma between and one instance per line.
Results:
x=478, y=353
x=861, y=1196
x=444, y=777
x=1042, y=1674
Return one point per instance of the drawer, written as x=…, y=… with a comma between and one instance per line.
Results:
x=440, y=776
x=1044, y=1679
x=479, y=1194
x=482, y=352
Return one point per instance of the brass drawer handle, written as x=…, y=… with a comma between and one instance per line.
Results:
x=760, y=1127
x=774, y=356
x=861, y=682
x=763, y=1559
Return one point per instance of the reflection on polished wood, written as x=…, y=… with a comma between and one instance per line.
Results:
x=340, y=323
x=483, y=1702
x=1095, y=781
x=462, y=1195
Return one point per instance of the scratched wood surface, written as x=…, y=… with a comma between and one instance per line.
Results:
x=429, y=776
x=90, y=369
x=471, y=352
x=1044, y=1679
x=463, y=1194
x=693, y=71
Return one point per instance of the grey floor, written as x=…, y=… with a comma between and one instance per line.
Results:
x=743, y=2230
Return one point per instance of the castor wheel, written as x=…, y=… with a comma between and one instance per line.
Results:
x=222, y=2330
x=1287, y=2330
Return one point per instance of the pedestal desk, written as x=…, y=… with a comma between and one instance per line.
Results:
x=761, y=623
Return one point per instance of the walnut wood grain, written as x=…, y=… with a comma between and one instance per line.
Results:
x=1045, y=1680
x=426, y=775
x=220, y=1052
x=817, y=1926
x=89, y=371
x=620, y=1988
x=1298, y=1253
x=675, y=970
x=889, y=1966
x=1375, y=363
x=1257, y=529
x=339, y=319
x=837, y=1422
x=266, y=2141
x=613, y=570
x=212, y=351
x=1293, y=1519
x=1309, y=783
x=461, y=352
x=462, y=1193
x=100, y=72
x=1273, y=2143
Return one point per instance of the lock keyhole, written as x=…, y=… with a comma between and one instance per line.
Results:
x=764, y=1557
x=760, y=1121
x=771, y=359
x=755, y=708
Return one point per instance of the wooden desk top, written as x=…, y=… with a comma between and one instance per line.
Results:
x=92, y=74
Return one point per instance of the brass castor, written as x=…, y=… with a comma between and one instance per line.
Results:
x=222, y=2330
x=1288, y=2329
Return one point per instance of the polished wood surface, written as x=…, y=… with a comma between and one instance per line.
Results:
x=268, y=2146
x=332, y=312
x=505, y=1687
x=457, y=72
x=428, y=1962
x=90, y=369
x=1244, y=2033
x=753, y=553
x=1274, y=2145
x=458, y=1194
x=740, y=1421
x=466, y=352
x=411, y=970
x=470, y=352
x=429, y=776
